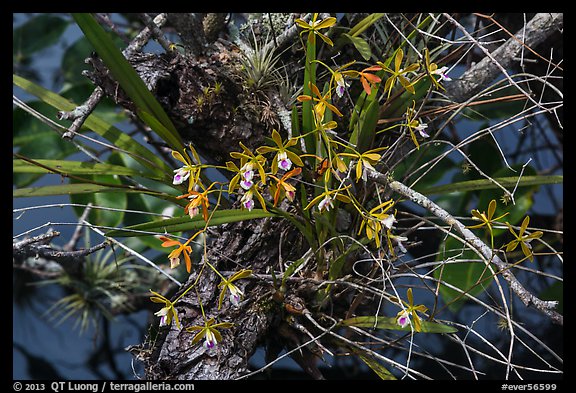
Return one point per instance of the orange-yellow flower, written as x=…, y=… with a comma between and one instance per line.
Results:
x=174, y=255
x=322, y=102
x=369, y=80
x=197, y=200
x=282, y=186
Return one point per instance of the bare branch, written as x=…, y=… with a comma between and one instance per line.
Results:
x=71, y=245
x=36, y=239
x=546, y=307
x=81, y=113
x=44, y=251
x=495, y=63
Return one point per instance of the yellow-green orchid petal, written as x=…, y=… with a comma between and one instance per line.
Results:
x=398, y=59
x=277, y=139
x=179, y=157
x=410, y=298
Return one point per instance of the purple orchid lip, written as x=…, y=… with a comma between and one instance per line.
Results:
x=246, y=184
x=285, y=164
x=403, y=321
x=248, y=175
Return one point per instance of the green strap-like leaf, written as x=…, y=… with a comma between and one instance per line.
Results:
x=73, y=168
x=390, y=323
x=185, y=223
x=66, y=189
x=95, y=123
x=365, y=23
x=129, y=80
x=484, y=184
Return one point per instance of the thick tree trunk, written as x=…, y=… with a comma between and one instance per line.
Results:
x=251, y=245
x=215, y=126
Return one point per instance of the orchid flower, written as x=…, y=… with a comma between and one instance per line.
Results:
x=167, y=313
x=174, y=256
x=403, y=316
x=284, y=158
x=227, y=284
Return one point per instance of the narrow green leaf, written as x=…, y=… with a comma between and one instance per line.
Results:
x=160, y=130
x=100, y=127
x=72, y=167
x=128, y=78
x=389, y=323
x=67, y=189
x=32, y=138
x=307, y=106
x=185, y=223
x=368, y=127
x=485, y=184
x=365, y=23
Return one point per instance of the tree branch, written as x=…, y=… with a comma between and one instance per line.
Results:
x=479, y=76
x=286, y=37
x=189, y=27
x=63, y=257
x=546, y=307
x=81, y=113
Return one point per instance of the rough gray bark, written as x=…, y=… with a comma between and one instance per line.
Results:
x=189, y=27
x=254, y=244
x=183, y=84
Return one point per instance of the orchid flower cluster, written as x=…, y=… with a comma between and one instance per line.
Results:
x=521, y=238
x=253, y=177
